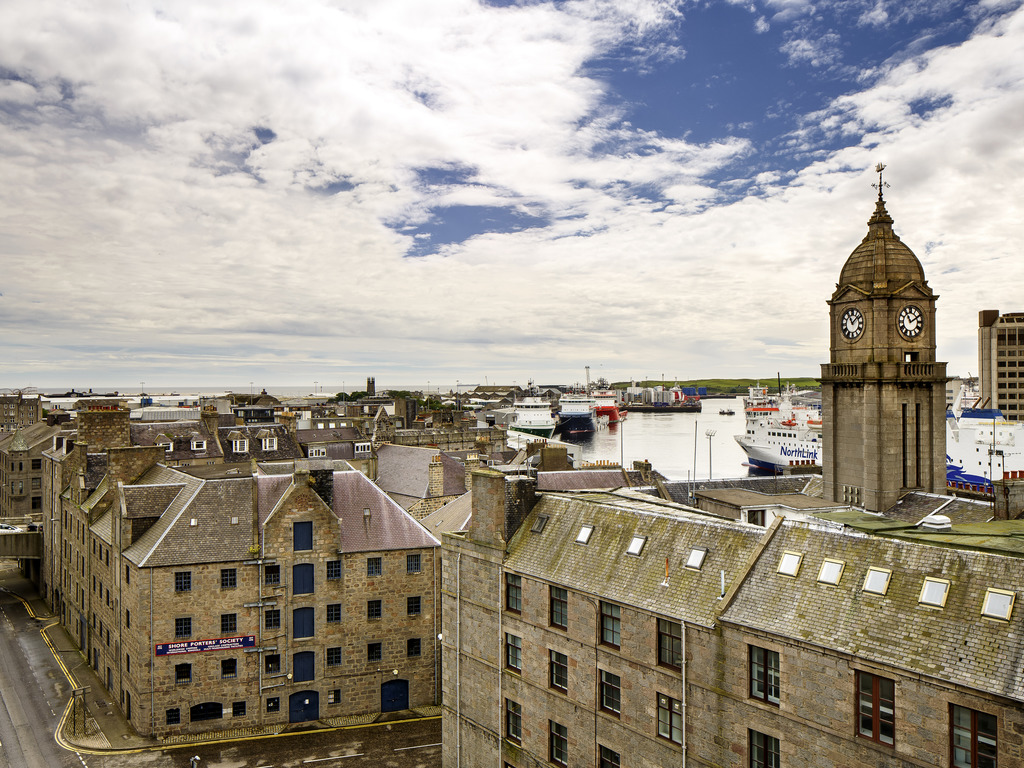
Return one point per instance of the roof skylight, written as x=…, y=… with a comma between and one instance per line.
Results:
x=584, y=535
x=789, y=565
x=877, y=580
x=696, y=558
x=539, y=523
x=934, y=592
x=831, y=571
x=636, y=545
x=998, y=604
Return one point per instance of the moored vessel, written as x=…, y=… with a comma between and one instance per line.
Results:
x=608, y=406
x=576, y=414
x=981, y=445
x=533, y=416
x=779, y=434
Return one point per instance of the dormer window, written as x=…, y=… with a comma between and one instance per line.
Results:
x=362, y=448
x=269, y=443
x=168, y=446
x=315, y=453
x=239, y=446
x=198, y=445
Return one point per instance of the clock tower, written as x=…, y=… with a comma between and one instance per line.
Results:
x=883, y=394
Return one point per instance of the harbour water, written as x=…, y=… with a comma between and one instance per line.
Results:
x=667, y=441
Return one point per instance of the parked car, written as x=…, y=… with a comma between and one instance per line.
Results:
x=6, y=527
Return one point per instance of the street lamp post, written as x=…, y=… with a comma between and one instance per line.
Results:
x=710, y=433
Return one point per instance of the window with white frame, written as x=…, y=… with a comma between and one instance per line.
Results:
x=269, y=444
x=315, y=453
x=239, y=446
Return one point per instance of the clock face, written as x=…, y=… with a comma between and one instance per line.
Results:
x=852, y=323
x=911, y=321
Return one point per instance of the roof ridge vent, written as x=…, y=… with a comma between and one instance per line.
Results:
x=936, y=523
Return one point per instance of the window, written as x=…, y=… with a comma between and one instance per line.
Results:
x=374, y=652
x=373, y=610
x=538, y=524
x=274, y=704
x=513, y=720
x=609, y=758
x=228, y=578
x=272, y=663
x=696, y=558
x=333, y=613
x=636, y=546
x=934, y=592
x=362, y=448
x=789, y=565
x=228, y=668
x=228, y=622
x=269, y=444
x=182, y=673
x=239, y=446
x=559, y=614
x=670, y=718
x=333, y=570
x=670, y=644
x=558, y=743
x=998, y=604
x=764, y=675
x=877, y=581
x=559, y=671
x=610, y=624
x=272, y=619
x=37, y=463
x=831, y=571
x=584, y=535
x=611, y=692
x=412, y=647
x=183, y=581
x=238, y=709
x=876, y=705
x=334, y=696
x=755, y=517
x=183, y=627
x=972, y=738
x=303, y=666
x=513, y=652
x=373, y=566
x=198, y=445
x=412, y=563
x=315, y=453
x=302, y=622
x=173, y=716
x=302, y=536
x=271, y=574
x=334, y=656
x=764, y=751
x=412, y=605
x=513, y=592
x=302, y=579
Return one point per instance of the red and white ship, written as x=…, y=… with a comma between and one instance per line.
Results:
x=608, y=406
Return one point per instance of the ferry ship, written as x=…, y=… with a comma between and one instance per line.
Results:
x=779, y=433
x=576, y=414
x=532, y=415
x=981, y=445
x=608, y=406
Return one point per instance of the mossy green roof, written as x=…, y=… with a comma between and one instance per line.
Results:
x=954, y=643
x=602, y=567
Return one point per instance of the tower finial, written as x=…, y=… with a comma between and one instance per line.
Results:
x=878, y=169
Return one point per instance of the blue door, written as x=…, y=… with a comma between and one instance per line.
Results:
x=394, y=695
x=303, y=706
x=303, y=666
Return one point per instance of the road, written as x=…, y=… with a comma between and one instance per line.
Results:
x=34, y=692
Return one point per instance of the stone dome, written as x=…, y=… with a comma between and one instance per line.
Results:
x=881, y=262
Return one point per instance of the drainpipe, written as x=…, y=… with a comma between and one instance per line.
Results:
x=501, y=660
x=436, y=609
x=152, y=659
x=458, y=659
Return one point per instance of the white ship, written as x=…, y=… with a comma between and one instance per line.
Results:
x=779, y=433
x=533, y=416
x=981, y=445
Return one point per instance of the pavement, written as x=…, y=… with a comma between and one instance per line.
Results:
x=102, y=727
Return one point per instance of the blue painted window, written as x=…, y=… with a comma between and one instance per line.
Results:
x=302, y=579
x=302, y=622
x=303, y=533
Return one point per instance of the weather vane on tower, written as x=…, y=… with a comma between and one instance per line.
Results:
x=878, y=169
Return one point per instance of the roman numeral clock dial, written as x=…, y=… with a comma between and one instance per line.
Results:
x=852, y=323
x=911, y=321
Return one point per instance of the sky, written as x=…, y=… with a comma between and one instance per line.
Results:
x=309, y=193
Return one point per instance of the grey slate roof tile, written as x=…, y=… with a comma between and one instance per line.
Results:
x=181, y=435
x=583, y=479
x=453, y=516
x=388, y=527
x=602, y=566
x=954, y=643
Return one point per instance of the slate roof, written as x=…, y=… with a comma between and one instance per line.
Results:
x=453, y=516
x=26, y=438
x=149, y=500
x=582, y=479
x=403, y=471
x=784, y=484
x=318, y=436
x=746, y=498
x=95, y=468
x=389, y=526
x=287, y=448
x=172, y=540
x=181, y=434
x=270, y=489
x=953, y=643
x=602, y=567
x=914, y=507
